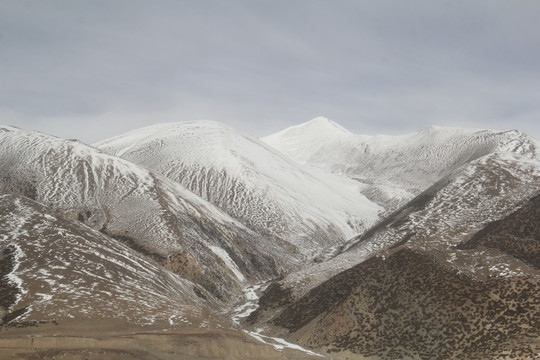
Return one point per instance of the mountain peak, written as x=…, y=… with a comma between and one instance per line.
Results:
x=323, y=124
x=320, y=120
x=315, y=129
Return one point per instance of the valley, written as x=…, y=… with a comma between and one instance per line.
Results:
x=195, y=241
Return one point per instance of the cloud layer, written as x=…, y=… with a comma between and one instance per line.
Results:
x=91, y=70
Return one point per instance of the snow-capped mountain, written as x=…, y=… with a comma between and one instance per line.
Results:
x=395, y=168
x=148, y=212
x=210, y=243
x=305, y=210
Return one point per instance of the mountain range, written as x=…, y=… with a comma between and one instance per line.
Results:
x=193, y=240
x=270, y=194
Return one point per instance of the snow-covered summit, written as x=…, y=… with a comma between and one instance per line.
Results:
x=398, y=164
x=252, y=182
x=319, y=126
x=206, y=141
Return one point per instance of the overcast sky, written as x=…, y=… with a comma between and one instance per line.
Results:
x=94, y=69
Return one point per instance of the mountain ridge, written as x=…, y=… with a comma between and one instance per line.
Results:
x=396, y=168
x=416, y=246
x=250, y=181
x=142, y=209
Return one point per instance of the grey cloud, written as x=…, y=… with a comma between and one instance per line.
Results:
x=374, y=66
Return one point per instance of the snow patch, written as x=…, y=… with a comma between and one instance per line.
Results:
x=223, y=255
x=13, y=275
x=252, y=303
x=278, y=343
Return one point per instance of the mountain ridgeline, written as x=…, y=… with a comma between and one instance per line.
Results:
x=255, y=184
x=192, y=240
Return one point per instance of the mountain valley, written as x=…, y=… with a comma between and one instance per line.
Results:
x=195, y=241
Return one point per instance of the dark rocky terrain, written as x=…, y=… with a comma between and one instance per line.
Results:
x=408, y=305
x=518, y=234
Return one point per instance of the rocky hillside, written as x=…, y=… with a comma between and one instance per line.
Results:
x=518, y=234
x=409, y=305
x=452, y=274
x=438, y=220
x=53, y=269
x=70, y=292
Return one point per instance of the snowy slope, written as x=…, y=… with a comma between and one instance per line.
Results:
x=304, y=209
x=396, y=167
x=60, y=269
x=453, y=274
x=417, y=278
x=66, y=284
x=440, y=219
x=148, y=212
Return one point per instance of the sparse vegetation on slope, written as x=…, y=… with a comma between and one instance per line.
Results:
x=408, y=305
